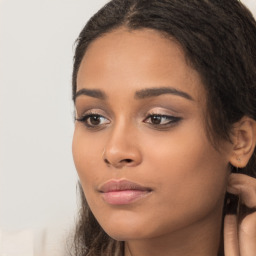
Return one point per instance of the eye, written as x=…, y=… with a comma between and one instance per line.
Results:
x=161, y=120
x=93, y=120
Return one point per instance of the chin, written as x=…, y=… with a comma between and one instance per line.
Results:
x=124, y=230
x=136, y=229
x=125, y=235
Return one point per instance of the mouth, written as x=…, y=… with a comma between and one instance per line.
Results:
x=123, y=192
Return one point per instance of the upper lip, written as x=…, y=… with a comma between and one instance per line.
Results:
x=121, y=185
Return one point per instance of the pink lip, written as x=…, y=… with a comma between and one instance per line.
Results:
x=121, y=192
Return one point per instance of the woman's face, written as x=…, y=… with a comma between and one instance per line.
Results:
x=140, y=110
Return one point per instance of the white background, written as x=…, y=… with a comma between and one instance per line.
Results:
x=37, y=175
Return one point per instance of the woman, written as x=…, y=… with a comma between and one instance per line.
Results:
x=165, y=99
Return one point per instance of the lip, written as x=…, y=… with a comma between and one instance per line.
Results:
x=122, y=192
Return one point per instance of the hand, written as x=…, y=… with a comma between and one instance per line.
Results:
x=240, y=229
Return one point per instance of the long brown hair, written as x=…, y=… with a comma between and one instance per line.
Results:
x=218, y=38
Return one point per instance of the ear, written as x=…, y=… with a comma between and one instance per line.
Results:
x=244, y=141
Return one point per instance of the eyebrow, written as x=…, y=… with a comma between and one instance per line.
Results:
x=92, y=93
x=142, y=94
x=153, y=92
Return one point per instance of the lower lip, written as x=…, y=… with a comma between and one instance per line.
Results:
x=124, y=196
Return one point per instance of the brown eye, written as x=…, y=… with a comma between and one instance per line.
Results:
x=161, y=120
x=93, y=120
x=156, y=119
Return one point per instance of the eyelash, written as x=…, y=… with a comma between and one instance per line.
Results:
x=170, y=120
x=84, y=119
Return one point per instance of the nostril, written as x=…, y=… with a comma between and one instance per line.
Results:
x=106, y=161
x=127, y=160
x=123, y=161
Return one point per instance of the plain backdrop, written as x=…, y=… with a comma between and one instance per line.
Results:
x=37, y=174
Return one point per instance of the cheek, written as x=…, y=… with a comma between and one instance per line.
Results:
x=189, y=171
x=84, y=158
x=86, y=155
x=190, y=181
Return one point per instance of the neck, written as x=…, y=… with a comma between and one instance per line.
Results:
x=201, y=238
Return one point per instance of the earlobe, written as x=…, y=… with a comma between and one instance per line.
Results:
x=244, y=141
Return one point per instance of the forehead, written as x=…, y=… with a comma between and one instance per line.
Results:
x=134, y=59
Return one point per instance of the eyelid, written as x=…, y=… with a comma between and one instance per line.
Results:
x=162, y=111
x=163, y=116
x=92, y=111
x=86, y=120
x=166, y=117
x=87, y=115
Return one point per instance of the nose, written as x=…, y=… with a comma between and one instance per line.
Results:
x=122, y=149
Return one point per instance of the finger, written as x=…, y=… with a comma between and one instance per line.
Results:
x=231, y=246
x=245, y=186
x=247, y=235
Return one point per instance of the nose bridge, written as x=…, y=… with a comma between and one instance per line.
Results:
x=122, y=148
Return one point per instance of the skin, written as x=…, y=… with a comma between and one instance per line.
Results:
x=240, y=232
x=187, y=175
